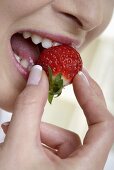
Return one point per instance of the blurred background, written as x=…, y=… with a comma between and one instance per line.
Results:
x=65, y=112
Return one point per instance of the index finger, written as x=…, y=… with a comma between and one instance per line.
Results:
x=100, y=134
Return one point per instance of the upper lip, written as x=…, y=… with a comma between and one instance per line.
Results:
x=55, y=37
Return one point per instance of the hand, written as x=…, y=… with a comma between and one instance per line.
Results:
x=23, y=149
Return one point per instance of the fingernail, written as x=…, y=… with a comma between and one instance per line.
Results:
x=5, y=124
x=35, y=75
x=83, y=76
x=84, y=70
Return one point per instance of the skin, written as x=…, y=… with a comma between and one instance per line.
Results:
x=26, y=152
x=24, y=139
x=18, y=15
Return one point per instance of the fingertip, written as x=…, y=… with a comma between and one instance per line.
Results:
x=81, y=78
x=5, y=126
x=85, y=71
x=82, y=88
x=35, y=75
x=44, y=82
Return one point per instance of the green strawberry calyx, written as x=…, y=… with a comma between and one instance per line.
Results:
x=55, y=85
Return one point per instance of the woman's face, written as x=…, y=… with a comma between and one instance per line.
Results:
x=74, y=22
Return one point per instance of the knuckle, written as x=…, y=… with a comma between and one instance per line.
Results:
x=109, y=126
x=74, y=139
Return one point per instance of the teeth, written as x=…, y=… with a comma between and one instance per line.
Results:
x=17, y=58
x=26, y=35
x=36, y=39
x=46, y=43
x=29, y=67
x=56, y=43
x=24, y=63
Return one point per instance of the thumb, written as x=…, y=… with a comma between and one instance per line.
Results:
x=28, y=110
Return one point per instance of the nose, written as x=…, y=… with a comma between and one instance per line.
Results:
x=87, y=13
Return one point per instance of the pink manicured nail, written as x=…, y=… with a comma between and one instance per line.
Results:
x=83, y=76
x=6, y=124
x=85, y=71
x=35, y=75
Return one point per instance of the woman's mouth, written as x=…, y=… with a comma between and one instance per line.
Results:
x=27, y=46
x=26, y=50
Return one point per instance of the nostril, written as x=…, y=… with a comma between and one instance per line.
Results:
x=74, y=18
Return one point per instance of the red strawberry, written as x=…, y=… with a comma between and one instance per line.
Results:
x=61, y=63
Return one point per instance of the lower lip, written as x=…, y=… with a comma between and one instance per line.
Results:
x=24, y=72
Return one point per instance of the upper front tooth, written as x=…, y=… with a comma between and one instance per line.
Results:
x=46, y=43
x=26, y=35
x=24, y=63
x=36, y=39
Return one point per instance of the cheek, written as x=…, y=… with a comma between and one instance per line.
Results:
x=98, y=30
x=19, y=8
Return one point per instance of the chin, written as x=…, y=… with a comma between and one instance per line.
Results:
x=7, y=102
x=9, y=106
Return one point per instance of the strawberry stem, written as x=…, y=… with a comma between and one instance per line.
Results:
x=50, y=98
x=55, y=85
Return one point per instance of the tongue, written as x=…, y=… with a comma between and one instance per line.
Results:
x=24, y=48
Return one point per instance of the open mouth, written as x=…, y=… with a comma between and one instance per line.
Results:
x=26, y=48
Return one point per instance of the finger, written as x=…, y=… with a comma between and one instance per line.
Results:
x=28, y=110
x=94, y=86
x=100, y=135
x=5, y=126
x=58, y=140
x=64, y=141
x=90, y=98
